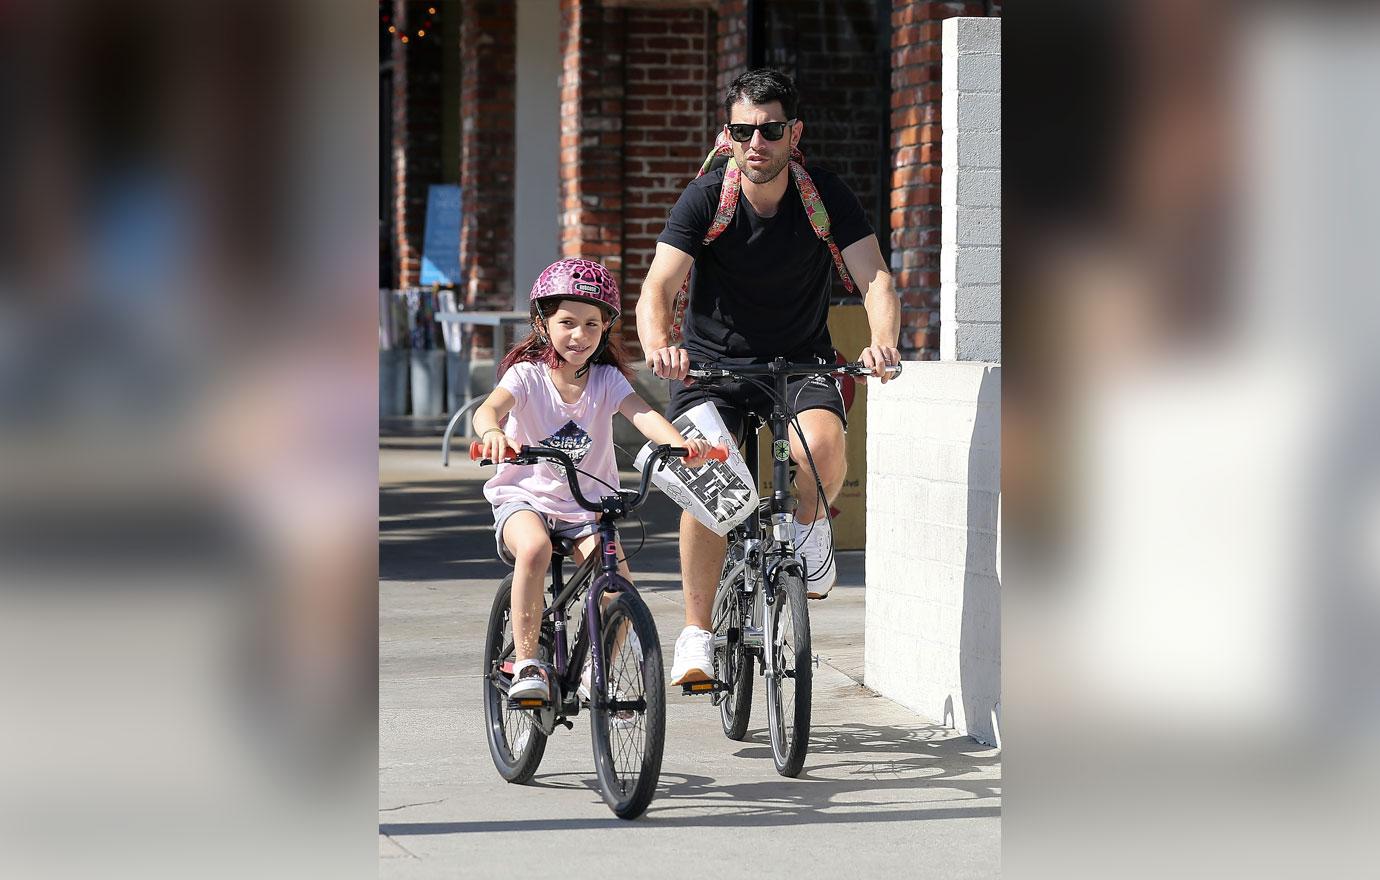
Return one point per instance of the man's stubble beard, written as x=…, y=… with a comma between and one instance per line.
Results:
x=766, y=175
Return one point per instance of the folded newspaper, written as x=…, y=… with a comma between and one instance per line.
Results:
x=718, y=494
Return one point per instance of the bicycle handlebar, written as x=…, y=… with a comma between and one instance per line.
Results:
x=781, y=367
x=631, y=501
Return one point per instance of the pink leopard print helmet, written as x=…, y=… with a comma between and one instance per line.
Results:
x=583, y=280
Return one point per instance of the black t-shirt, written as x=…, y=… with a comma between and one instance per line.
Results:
x=761, y=289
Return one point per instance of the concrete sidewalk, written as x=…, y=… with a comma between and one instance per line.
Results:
x=882, y=788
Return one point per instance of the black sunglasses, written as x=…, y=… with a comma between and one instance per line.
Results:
x=772, y=131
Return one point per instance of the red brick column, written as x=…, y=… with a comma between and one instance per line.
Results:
x=669, y=99
x=732, y=43
x=916, y=73
x=416, y=133
x=591, y=223
x=488, y=31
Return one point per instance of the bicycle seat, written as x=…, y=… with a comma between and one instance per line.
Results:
x=562, y=546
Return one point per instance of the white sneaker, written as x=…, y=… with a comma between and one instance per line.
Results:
x=529, y=682
x=694, y=656
x=815, y=547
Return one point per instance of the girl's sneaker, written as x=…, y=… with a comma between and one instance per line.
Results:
x=529, y=683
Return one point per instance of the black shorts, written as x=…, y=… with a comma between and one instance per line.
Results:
x=734, y=399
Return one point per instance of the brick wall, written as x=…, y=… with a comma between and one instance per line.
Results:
x=417, y=130
x=833, y=52
x=669, y=126
x=487, y=85
x=730, y=44
x=591, y=222
x=916, y=140
x=933, y=567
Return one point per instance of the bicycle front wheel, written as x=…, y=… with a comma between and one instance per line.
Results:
x=732, y=662
x=788, y=685
x=515, y=742
x=628, y=721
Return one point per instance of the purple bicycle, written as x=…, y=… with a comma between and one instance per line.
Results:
x=626, y=694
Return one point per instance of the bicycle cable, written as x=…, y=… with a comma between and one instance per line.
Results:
x=820, y=499
x=794, y=420
x=642, y=533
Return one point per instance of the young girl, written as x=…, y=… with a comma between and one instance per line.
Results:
x=562, y=386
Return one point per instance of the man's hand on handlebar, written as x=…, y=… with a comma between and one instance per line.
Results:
x=671, y=362
x=877, y=358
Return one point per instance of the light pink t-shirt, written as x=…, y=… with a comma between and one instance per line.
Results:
x=583, y=429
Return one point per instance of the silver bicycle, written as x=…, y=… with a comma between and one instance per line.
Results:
x=760, y=605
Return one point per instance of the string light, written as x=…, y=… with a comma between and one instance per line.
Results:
x=403, y=35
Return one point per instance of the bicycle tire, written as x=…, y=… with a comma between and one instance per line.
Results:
x=789, y=685
x=628, y=745
x=516, y=744
x=733, y=662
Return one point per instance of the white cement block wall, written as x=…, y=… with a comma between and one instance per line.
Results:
x=933, y=566
x=970, y=192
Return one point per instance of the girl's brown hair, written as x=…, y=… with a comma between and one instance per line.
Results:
x=537, y=348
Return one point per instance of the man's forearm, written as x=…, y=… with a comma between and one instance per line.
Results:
x=883, y=310
x=654, y=317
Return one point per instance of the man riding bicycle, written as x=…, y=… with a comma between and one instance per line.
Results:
x=760, y=290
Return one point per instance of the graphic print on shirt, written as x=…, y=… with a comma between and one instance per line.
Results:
x=573, y=441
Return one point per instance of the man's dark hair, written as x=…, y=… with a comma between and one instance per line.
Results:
x=762, y=86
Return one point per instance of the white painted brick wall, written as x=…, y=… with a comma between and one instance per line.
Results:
x=934, y=542
x=970, y=192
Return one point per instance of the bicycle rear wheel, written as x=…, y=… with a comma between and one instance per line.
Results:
x=628, y=721
x=515, y=742
x=732, y=662
x=788, y=686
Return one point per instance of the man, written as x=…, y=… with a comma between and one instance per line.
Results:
x=761, y=291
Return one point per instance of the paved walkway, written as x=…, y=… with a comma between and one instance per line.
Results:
x=882, y=789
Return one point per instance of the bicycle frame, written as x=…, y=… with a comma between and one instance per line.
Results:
x=779, y=537
x=567, y=658
x=773, y=549
x=610, y=508
x=607, y=580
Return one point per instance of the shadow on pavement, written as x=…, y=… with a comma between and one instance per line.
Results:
x=912, y=761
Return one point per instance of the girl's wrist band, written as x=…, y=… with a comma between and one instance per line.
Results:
x=490, y=431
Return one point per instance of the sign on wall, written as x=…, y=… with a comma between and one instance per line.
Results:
x=441, y=240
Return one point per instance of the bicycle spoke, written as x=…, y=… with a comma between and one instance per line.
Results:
x=516, y=741
x=625, y=685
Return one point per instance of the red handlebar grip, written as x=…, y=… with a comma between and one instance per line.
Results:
x=477, y=451
x=715, y=453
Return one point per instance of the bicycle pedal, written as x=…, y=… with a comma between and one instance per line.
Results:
x=702, y=687
x=527, y=703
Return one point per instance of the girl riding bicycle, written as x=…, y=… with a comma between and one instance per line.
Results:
x=561, y=387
